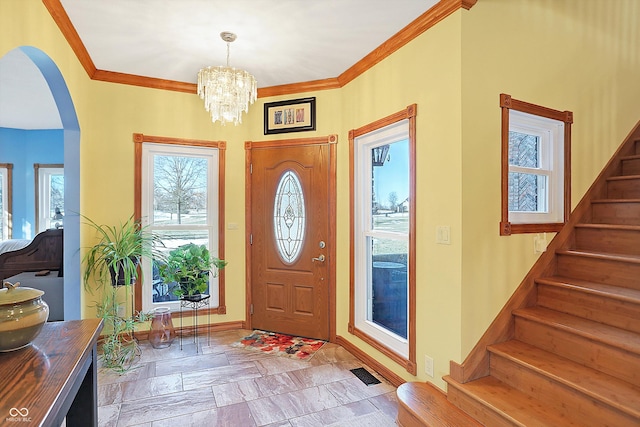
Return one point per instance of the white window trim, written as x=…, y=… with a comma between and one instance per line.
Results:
x=551, y=133
x=149, y=150
x=395, y=132
x=4, y=173
x=44, y=196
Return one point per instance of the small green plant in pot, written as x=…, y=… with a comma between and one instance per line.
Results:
x=112, y=265
x=190, y=265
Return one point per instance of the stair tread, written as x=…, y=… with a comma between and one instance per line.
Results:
x=615, y=201
x=632, y=157
x=593, y=383
x=610, y=335
x=609, y=226
x=429, y=404
x=601, y=289
x=516, y=406
x=601, y=255
x=623, y=177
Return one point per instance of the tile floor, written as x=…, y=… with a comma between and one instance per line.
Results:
x=226, y=386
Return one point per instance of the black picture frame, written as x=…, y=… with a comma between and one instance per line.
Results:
x=294, y=115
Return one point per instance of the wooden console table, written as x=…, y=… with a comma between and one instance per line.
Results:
x=53, y=378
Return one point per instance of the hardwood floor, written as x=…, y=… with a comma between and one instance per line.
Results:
x=227, y=386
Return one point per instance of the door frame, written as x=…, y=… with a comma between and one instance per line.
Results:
x=331, y=141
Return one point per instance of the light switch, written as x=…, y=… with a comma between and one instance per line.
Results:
x=443, y=235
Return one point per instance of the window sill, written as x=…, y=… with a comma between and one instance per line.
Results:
x=507, y=228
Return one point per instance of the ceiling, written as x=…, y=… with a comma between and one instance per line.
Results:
x=279, y=42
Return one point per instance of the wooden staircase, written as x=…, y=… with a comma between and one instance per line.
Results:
x=565, y=350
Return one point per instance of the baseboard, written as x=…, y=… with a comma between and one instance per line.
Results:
x=214, y=327
x=389, y=375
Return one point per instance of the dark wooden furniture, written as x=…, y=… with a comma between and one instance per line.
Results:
x=43, y=253
x=53, y=378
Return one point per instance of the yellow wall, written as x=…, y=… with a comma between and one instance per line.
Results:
x=579, y=56
x=426, y=72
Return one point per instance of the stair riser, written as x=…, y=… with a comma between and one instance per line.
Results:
x=477, y=409
x=627, y=213
x=423, y=404
x=566, y=400
x=610, y=360
x=618, y=313
x=637, y=145
x=617, y=273
x=631, y=167
x=407, y=419
x=624, y=189
x=605, y=240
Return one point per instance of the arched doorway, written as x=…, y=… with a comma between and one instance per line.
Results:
x=31, y=67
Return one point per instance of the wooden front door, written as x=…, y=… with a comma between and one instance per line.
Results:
x=289, y=260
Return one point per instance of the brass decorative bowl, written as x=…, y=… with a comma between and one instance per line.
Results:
x=22, y=314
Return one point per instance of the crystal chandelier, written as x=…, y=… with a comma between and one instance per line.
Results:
x=226, y=91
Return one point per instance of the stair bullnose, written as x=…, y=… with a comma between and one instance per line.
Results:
x=612, y=305
x=608, y=349
x=594, y=331
x=585, y=383
x=495, y=403
x=423, y=404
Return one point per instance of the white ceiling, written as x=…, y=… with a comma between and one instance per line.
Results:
x=25, y=99
x=279, y=42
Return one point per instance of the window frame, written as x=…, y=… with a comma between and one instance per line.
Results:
x=407, y=358
x=507, y=224
x=42, y=171
x=6, y=170
x=139, y=140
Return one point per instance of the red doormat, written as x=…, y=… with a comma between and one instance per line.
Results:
x=280, y=344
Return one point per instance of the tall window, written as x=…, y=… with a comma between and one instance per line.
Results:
x=5, y=200
x=49, y=196
x=382, y=236
x=180, y=202
x=535, y=167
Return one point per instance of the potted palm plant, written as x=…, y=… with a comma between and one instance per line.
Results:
x=190, y=266
x=112, y=264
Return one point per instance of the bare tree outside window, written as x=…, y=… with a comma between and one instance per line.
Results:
x=393, y=200
x=57, y=194
x=180, y=185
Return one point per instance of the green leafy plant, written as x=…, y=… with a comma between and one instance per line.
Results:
x=118, y=252
x=119, y=349
x=112, y=264
x=190, y=265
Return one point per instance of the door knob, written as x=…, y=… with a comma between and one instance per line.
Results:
x=319, y=259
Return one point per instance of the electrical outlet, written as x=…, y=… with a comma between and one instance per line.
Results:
x=539, y=243
x=428, y=365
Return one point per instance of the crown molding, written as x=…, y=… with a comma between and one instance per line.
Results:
x=149, y=82
x=421, y=24
x=69, y=32
x=311, y=86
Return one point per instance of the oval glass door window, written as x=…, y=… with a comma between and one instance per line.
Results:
x=289, y=217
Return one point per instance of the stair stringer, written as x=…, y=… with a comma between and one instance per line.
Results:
x=476, y=364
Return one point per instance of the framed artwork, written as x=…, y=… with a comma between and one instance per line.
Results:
x=294, y=115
